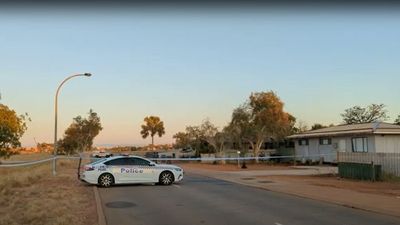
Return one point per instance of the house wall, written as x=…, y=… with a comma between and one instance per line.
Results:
x=301, y=151
x=314, y=149
x=338, y=142
x=387, y=143
x=329, y=152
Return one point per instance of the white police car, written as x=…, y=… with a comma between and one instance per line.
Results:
x=129, y=170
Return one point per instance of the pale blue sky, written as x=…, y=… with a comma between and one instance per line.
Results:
x=186, y=67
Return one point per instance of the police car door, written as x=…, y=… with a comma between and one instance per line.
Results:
x=118, y=167
x=141, y=170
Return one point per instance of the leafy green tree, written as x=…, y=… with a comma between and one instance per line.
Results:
x=196, y=140
x=239, y=129
x=214, y=137
x=371, y=113
x=205, y=138
x=317, y=126
x=397, y=121
x=262, y=118
x=153, y=125
x=182, y=140
x=80, y=134
x=292, y=124
x=12, y=127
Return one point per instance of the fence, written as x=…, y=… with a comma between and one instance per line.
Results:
x=205, y=158
x=390, y=162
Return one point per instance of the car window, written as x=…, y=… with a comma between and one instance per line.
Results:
x=139, y=162
x=118, y=162
x=98, y=161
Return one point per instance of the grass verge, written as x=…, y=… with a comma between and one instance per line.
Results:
x=31, y=195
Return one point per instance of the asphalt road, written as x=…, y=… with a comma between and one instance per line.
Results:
x=202, y=200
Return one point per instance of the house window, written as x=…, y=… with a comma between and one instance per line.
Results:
x=360, y=144
x=303, y=142
x=325, y=141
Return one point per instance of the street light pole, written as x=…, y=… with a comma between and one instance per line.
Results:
x=55, y=116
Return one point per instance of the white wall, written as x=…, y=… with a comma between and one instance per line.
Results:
x=313, y=151
x=345, y=143
x=387, y=143
x=301, y=151
x=338, y=144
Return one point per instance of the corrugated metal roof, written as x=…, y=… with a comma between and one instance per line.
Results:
x=363, y=128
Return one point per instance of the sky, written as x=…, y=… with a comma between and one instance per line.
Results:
x=186, y=66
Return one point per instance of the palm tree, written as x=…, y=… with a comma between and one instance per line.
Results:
x=153, y=125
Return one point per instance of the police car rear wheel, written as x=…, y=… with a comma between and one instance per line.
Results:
x=106, y=180
x=166, y=178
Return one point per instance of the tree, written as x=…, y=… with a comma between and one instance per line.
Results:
x=214, y=137
x=12, y=127
x=153, y=125
x=239, y=129
x=195, y=140
x=397, y=121
x=317, y=126
x=182, y=140
x=297, y=127
x=371, y=113
x=261, y=118
x=205, y=137
x=80, y=134
x=292, y=124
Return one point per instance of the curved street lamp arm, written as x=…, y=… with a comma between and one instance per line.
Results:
x=56, y=112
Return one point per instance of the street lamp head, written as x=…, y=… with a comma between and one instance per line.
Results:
x=87, y=74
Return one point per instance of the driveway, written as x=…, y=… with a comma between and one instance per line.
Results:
x=203, y=200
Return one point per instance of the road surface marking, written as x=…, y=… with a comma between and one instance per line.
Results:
x=278, y=224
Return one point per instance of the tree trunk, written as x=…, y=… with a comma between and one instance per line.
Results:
x=254, y=150
x=152, y=142
x=220, y=154
x=257, y=149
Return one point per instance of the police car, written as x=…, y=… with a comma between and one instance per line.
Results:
x=129, y=170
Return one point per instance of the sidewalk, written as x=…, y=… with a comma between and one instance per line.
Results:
x=371, y=202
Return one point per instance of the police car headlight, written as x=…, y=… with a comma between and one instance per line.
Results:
x=178, y=169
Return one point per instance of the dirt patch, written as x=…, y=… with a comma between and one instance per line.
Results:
x=391, y=189
x=232, y=167
x=31, y=195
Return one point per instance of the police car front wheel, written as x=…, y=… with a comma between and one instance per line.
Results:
x=106, y=180
x=166, y=178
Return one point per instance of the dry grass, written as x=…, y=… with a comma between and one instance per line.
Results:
x=391, y=189
x=28, y=157
x=31, y=195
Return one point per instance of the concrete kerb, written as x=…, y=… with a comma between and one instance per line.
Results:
x=99, y=207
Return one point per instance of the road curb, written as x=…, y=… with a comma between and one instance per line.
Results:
x=100, y=214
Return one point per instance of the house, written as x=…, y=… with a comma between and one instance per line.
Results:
x=375, y=137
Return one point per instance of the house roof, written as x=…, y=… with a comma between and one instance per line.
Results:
x=351, y=129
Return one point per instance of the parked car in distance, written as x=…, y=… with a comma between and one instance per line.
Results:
x=101, y=154
x=187, y=153
x=151, y=155
x=129, y=170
